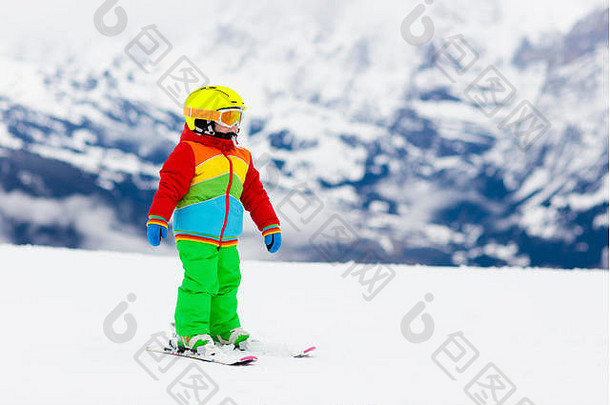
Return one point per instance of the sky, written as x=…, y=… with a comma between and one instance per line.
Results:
x=32, y=25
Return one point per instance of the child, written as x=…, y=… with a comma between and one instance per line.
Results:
x=209, y=181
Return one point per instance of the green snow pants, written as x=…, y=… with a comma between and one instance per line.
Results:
x=207, y=298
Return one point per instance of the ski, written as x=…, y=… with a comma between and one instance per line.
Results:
x=254, y=347
x=261, y=348
x=220, y=357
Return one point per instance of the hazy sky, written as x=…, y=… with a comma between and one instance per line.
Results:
x=72, y=20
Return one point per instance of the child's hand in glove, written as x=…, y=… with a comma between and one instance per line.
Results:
x=155, y=233
x=273, y=242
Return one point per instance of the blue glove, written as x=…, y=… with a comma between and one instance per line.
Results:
x=273, y=242
x=155, y=233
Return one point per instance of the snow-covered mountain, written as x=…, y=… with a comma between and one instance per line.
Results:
x=344, y=117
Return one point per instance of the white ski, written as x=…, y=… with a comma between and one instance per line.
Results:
x=219, y=356
x=262, y=348
x=256, y=347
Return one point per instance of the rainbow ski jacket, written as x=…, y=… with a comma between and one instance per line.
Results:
x=207, y=183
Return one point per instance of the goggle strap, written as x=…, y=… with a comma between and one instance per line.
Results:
x=201, y=114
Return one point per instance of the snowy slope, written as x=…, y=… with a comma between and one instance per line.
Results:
x=423, y=176
x=546, y=330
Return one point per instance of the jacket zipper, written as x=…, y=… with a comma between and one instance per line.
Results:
x=224, y=224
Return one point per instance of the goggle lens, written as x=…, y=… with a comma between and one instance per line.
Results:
x=231, y=117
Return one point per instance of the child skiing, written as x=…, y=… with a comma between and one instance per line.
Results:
x=208, y=181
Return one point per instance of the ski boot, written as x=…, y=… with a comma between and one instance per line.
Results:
x=196, y=343
x=233, y=337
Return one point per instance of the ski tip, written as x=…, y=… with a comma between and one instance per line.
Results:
x=309, y=349
x=305, y=353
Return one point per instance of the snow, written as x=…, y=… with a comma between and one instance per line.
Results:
x=7, y=141
x=546, y=330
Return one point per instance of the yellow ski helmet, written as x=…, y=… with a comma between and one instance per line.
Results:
x=205, y=101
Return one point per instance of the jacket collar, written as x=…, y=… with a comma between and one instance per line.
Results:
x=224, y=145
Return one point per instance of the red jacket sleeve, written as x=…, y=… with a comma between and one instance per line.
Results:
x=255, y=200
x=176, y=175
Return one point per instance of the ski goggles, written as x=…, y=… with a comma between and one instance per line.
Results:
x=228, y=117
